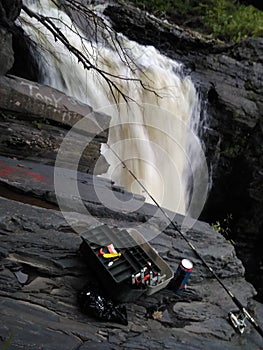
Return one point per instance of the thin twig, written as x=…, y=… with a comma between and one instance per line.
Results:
x=87, y=64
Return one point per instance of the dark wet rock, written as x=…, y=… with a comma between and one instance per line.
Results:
x=35, y=139
x=6, y=51
x=43, y=122
x=9, y=11
x=44, y=311
x=25, y=64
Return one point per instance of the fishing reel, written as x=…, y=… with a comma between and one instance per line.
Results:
x=237, y=320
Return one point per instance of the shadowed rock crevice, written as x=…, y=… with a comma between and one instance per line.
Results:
x=25, y=64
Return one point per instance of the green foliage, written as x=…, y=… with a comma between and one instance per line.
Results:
x=222, y=19
x=223, y=227
x=217, y=227
x=227, y=21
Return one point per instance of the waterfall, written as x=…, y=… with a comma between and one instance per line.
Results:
x=156, y=134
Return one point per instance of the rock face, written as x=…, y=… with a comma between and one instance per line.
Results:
x=41, y=273
x=9, y=10
x=24, y=96
x=39, y=139
x=230, y=80
x=6, y=51
x=45, y=117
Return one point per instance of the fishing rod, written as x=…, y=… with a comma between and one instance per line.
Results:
x=242, y=309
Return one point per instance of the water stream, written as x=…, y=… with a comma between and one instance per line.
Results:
x=156, y=135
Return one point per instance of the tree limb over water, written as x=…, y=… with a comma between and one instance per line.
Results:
x=96, y=25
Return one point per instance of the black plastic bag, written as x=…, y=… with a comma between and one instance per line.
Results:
x=93, y=302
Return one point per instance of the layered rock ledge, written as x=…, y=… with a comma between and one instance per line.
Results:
x=41, y=271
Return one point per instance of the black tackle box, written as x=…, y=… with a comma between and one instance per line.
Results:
x=115, y=275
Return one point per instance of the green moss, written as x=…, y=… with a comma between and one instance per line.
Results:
x=236, y=115
x=38, y=123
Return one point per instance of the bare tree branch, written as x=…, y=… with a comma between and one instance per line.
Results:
x=98, y=22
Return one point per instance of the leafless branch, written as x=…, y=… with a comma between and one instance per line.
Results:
x=83, y=58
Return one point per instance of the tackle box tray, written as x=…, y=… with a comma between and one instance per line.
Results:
x=136, y=253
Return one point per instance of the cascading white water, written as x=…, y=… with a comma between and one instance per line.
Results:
x=153, y=136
